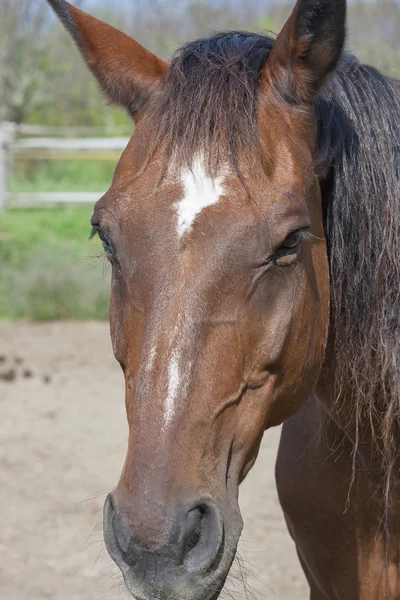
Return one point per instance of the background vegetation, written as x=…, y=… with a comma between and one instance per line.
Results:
x=46, y=269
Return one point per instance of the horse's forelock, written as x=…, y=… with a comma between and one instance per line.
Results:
x=208, y=103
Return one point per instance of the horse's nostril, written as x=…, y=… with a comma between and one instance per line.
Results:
x=119, y=542
x=194, y=545
x=202, y=537
x=122, y=537
x=196, y=517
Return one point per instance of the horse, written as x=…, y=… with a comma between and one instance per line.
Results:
x=253, y=225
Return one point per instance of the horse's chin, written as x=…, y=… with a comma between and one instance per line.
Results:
x=201, y=587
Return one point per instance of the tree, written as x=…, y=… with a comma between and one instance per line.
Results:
x=26, y=68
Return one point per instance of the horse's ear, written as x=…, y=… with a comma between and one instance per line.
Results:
x=308, y=48
x=127, y=72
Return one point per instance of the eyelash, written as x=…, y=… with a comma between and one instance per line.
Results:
x=103, y=238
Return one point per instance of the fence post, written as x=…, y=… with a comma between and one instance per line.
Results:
x=7, y=132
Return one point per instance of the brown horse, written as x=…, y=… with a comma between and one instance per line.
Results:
x=253, y=228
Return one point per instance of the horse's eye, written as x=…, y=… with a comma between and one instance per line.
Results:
x=286, y=253
x=293, y=240
x=104, y=239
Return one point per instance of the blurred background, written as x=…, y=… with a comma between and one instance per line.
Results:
x=63, y=429
x=47, y=92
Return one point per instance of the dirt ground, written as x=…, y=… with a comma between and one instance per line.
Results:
x=62, y=444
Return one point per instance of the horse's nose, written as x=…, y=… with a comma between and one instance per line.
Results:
x=194, y=543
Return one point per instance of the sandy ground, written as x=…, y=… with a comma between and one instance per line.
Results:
x=62, y=444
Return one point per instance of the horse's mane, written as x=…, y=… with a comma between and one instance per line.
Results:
x=209, y=103
x=359, y=116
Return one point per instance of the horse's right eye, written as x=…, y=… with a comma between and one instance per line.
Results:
x=104, y=239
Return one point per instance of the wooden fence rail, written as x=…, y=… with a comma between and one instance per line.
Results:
x=12, y=147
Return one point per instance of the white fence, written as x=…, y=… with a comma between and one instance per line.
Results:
x=14, y=146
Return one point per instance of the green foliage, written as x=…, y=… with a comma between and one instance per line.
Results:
x=61, y=176
x=49, y=268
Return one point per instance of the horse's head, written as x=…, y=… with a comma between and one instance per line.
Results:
x=220, y=292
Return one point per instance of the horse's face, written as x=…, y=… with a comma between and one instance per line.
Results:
x=218, y=317
x=219, y=311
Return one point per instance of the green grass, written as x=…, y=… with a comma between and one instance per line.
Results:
x=49, y=269
x=47, y=266
x=61, y=176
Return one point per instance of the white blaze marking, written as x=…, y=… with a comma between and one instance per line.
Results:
x=200, y=191
x=178, y=372
x=149, y=364
x=173, y=387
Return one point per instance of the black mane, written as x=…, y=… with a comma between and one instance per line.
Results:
x=359, y=117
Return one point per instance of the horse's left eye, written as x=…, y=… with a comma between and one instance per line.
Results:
x=104, y=239
x=286, y=253
x=293, y=240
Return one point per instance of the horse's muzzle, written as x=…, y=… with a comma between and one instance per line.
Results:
x=188, y=566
